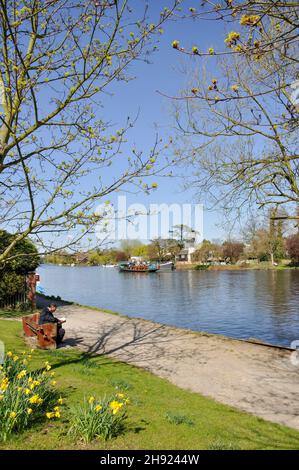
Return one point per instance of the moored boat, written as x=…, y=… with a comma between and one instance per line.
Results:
x=138, y=267
x=167, y=266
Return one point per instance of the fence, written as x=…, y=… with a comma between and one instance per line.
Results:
x=12, y=301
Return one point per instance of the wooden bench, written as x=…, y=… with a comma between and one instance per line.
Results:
x=45, y=334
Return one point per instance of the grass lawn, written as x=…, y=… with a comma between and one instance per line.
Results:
x=160, y=416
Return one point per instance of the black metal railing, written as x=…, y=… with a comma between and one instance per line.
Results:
x=11, y=301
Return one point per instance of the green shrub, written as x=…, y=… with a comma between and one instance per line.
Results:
x=23, y=258
x=201, y=267
x=99, y=418
x=264, y=257
x=11, y=284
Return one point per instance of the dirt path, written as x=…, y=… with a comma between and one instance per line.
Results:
x=253, y=378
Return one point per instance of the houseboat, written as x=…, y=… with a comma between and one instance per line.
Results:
x=130, y=267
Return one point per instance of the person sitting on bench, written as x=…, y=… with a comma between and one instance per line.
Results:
x=47, y=316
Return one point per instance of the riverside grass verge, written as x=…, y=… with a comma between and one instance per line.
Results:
x=153, y=400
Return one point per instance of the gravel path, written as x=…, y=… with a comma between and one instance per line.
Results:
x=254, y=378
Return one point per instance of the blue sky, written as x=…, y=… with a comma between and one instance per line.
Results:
x=142, y=96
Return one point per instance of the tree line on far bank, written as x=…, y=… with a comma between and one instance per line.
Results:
x=259, y=243
x=157, y=250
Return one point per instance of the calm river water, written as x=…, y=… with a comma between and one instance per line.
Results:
x=247, y=304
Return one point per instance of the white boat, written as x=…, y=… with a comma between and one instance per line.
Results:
x=109, y=265
x=168, y=266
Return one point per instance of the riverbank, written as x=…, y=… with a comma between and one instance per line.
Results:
x=255, y=378
x=183, y=266
x=160, y=415
x=234, y=267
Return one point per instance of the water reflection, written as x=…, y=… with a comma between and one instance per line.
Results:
x=246, y=304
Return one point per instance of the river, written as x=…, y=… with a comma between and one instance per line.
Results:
x=240, y=304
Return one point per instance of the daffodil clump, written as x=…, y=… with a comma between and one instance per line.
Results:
x=99, y=418
x=25, y=396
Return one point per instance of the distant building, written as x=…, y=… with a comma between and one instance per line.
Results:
x=182, y=255
x=185, y=255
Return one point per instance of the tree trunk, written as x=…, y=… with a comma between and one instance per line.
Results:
x=272, y=258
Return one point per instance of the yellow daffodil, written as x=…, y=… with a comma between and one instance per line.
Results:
x=12, y=414
x=4, y=384
x=9, y=354
x=60, y=401
x=29, y=411
x=115, y=406
x=50, y=415
x=91, y=400
x=27, y=391
x=15, y=358
x=53, y=382
x=35, y=399
x=98, y=408
x=21, y=374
